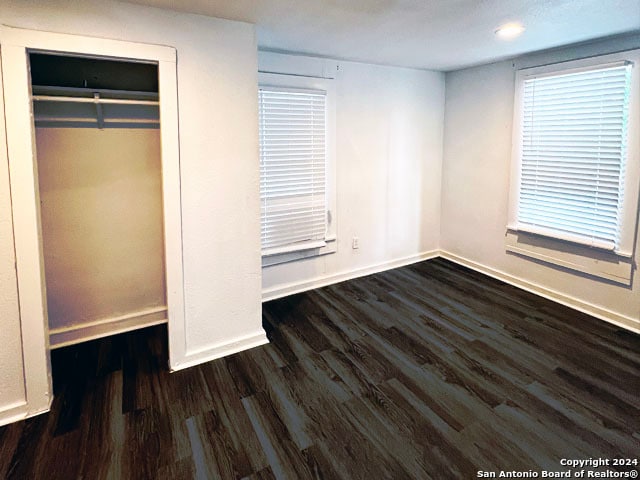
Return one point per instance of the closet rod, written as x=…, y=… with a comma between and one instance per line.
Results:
x=51, y=98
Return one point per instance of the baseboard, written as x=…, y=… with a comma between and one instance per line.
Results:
x=623, y=321
x=323, y=281
x=20, y=411
x=13, y=413
x=61, y=337
x=617, y=319
x=220, y=350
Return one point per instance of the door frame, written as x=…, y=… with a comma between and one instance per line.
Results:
x=15, y=44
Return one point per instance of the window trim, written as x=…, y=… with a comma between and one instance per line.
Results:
x=565, y=252
x=316, y=248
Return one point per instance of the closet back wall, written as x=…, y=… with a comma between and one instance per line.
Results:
x=101, y=211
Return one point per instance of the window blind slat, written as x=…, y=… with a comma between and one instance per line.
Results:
x=576, y=208
x=574, y=129
x=577, y=168
x=574, y=158
x=292, y=167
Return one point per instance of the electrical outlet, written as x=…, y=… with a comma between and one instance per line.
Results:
x=355, y=243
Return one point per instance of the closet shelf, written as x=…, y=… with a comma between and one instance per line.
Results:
x=42, y=120
x=95, y=99
x=109, y=108
x=48, y=90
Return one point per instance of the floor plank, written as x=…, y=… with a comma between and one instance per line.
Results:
x=426, y=371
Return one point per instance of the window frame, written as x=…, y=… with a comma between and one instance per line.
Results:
x=616, y=265
x=299, y=82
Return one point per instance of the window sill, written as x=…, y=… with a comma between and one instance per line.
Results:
x=592, y=261
x=331, y=246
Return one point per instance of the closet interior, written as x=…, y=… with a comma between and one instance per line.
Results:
x=97, y=136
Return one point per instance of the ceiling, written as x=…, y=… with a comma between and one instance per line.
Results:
x=432, y=34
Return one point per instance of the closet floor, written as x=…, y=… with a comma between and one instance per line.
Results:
x=427, y=371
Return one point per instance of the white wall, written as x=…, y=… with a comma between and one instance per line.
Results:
x=101, y=216
x=389, y=125
x=217, y=77
x=12, y=392
x=475, y=185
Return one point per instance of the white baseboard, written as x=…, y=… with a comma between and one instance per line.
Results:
x=220, y=350
x=13, y=412
x=623, y=321
x=61, y=337
x=324, y=280
x=17, y=411
x=617, y=319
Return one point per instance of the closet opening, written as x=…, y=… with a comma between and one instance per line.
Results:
x=100, y=181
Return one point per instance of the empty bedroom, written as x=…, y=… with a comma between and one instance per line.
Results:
x=272, y=239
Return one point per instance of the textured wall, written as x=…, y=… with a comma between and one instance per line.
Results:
x=389, y=157
x=475, y=182
x=11, y=366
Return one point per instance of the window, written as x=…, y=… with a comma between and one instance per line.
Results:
x=574, y=131
x=295, y=148
x=575, y=179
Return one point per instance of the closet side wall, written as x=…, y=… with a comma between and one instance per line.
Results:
x=101, y=214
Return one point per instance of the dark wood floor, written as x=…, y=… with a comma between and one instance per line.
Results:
x=428, y=371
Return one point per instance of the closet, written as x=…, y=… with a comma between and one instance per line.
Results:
x=97, y=138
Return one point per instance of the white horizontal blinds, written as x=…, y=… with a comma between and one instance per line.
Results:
x=573, y=155
x=292, y=168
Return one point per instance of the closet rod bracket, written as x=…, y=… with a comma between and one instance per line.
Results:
x=99, y=114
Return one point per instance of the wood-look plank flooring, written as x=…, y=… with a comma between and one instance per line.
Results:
x=427, y=371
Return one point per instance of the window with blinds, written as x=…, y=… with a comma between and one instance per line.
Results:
x=573, y=154
x=292, y=169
